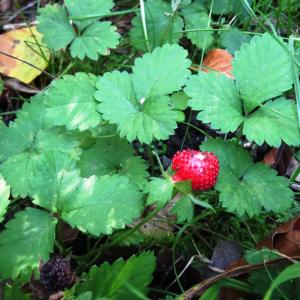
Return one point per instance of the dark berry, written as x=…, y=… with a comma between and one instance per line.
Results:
x=56, y=275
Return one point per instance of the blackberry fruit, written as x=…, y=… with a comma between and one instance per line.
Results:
x=56, y=275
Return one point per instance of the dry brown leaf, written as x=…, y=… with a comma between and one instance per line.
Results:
x=218, y=60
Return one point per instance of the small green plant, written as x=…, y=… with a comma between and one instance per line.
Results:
x=85, y=38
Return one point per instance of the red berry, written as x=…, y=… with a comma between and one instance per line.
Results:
x=202, y=168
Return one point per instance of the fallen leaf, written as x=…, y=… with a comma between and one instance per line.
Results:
x=22, y=54
x=280, y=159
x=218, y=60
x=285, y=238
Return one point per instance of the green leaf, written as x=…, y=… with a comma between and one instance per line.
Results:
x=233, y=39
x=226, y=151
x=53, y=23
x=291, y=272
x=27, y=239
x=95, y=40
x=179, y=100
x=161, y=72
x=4, y=196
x=217, y=98
x=24, y=140
x=262, y=69
x=260, y=256
x=14, y=292
x=70, y=102
x=162, y=26
x=195, y=17
x=160, y=191
x=273, y=122
x=101, y=205
x=54, y=180
x=117, y=281
x=184, y=209
x=113, y=156
x=78, y=8
x=245, y=187
x=137, y=103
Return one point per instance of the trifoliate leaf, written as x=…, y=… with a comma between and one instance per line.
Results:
x=121, y=280
x=161, y=72
x=195, y=17
x=95, y=40
x=113, y=155
x=184, y=209
x=217, y=98
x=4, y=195
x=53, y=23
x=27, y=239
x=233, y=39
x=245, y=187
x=70, y=102
x=24, y=140
x=54, y=180
x=163, y=26
x=273, y=122
x=79, y=8
x=262, y=69
x=101, y=205
x=136, y=103
x=160, y=191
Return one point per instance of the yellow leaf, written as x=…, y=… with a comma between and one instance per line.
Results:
x=24, y=45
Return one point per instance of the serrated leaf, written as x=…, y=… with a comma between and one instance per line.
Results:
x=53, y=23
x=79, y=8
x=162, y=26
x=262, y=69
x=161, y=72
x=116, y=281
x=113, y=155
x=104, y=204
x=4, y=196
x=184, y=209
x=160, y=191
x=70, y=102
x=195, y=17
x=97, y=39
x=245, y=187
x=24, y=140
x=136, y=103
x=27, y=239
x=233, y=39
x=273, y=122
x=217, y=98
x=54, y=180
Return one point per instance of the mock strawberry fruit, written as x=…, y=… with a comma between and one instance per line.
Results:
x=201, y=168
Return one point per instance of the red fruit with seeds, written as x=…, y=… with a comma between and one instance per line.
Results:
x=201, y=168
